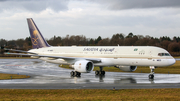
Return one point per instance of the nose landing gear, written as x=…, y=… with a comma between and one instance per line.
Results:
x=151, y=75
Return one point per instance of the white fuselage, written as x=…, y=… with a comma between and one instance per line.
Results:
x=110, y=55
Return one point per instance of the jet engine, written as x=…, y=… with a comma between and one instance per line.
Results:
x=128, y=68
x=83, y=66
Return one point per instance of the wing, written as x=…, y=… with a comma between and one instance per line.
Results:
x=94, y=60
x=19, y=51
x=2, y=49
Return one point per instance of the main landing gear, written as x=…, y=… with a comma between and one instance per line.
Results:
x=75, y=74
x=101, y=72
x=151, y=75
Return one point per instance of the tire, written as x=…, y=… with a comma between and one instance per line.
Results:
x=97, y=72
x=100, y=72
x=103, y=72
x=151, y=76
x=76, y=73
x=79, y=74
x=72, y=73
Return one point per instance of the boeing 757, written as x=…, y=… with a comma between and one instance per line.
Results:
x=83, y=58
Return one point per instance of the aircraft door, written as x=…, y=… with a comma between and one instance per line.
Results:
x=115, y=54
x=150, y=54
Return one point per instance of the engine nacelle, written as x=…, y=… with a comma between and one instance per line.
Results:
x=83, y=66
x=128, y=68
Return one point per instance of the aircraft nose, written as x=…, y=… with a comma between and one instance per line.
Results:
x=172, y=61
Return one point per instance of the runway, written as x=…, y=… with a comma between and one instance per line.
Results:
x=51, y=76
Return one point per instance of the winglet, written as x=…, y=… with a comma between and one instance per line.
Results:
x=37, y=39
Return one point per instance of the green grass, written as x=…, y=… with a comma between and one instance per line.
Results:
x=92, y=94
x=174, y=69
x=177, y=57
x=12, y=76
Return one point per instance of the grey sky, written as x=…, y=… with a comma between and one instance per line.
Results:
x=131, y=4
x=91, y=18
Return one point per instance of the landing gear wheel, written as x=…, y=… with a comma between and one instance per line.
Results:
x=72, y=73
x=77, y=74
x=151, y=76
x=102, y=73
x=97, y=72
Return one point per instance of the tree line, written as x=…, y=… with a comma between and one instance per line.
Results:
x=172, y=45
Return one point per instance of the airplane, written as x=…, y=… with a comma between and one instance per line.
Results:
x=83, y=58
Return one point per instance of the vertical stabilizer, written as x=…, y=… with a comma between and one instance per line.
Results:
x=37, y=39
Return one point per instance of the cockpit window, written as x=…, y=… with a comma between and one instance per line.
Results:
x=163, y=54
x=167, y=54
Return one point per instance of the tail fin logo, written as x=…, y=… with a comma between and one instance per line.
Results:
x=35, y=39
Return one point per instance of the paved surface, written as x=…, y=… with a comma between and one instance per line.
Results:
x=50, y=76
